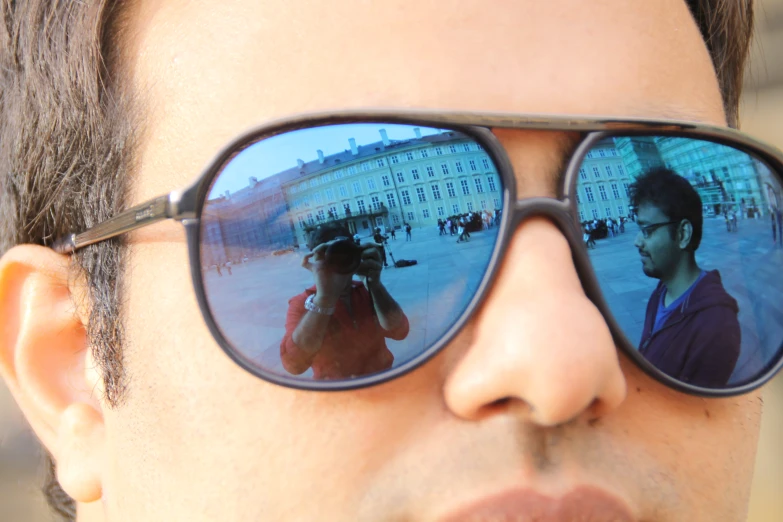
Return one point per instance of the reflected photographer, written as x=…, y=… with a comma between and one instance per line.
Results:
x=691, y=330
x=338, y=327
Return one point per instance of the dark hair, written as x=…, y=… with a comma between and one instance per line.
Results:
x=66, y=142
x=673, y=195
x=327, y=232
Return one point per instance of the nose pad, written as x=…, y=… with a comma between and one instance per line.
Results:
x=539, y=342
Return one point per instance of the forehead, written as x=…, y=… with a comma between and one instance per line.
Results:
x=213, y=69
x=648, y=213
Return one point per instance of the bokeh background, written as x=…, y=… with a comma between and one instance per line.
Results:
x=762, y=116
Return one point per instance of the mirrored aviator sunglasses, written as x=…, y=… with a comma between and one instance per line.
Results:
x=339, y=251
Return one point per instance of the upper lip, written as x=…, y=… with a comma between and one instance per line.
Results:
x=525, y=505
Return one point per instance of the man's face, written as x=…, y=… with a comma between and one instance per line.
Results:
x=530, y=397
x=660, y=253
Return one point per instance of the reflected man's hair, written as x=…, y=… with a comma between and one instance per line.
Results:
x=673, y=195
x=327, y=232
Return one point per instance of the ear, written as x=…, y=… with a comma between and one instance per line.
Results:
x=45, y=360
x=684, y=233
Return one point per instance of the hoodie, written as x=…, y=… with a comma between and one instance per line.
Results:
x=700, y=341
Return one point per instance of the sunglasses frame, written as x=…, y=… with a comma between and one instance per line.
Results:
x=187, y=205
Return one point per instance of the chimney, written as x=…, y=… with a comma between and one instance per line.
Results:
x=384, y=137
x=253, y=181
x=354, y=150
x=418, y=133
x=300, y=163
x=320, y=156
x=228, y=195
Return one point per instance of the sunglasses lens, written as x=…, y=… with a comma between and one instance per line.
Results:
x=341, y=251
x=684, y=236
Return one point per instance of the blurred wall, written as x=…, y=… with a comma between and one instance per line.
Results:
x=762, y=116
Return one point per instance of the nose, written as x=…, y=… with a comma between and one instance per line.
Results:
x=538, y=341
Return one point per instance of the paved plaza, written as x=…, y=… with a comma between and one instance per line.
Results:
x=434, y=292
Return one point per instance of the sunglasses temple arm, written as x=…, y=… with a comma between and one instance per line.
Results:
x=152, y=211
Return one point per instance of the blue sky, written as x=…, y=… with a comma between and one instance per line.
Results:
x=279, y=153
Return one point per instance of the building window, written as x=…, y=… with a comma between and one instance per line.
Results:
x=470, y=206
x=375, y=202
x=450, y=190
x=347, y=208
x=435, y=191
x=452, y=149
x=483, y=204
x=395, y=219
x=343, y=191
x=380, y=162
x=615, y=192
x=425, y=213
x=438, y=151
x=465, y=187
x=595, y=213
x=496, y=201
x=485, y=163
x=430, y=172
x=301, y=221
x=479, y=186
x=421, y=195
x=360, y=206
x=601, y=153
x=330, y=194
x=620, y=170
x=317, y=198
x=608, y=212
x=459, y=166
x=472, y=165
x=491, y=183
x=424, y=153
x=596, y=172
x=352, y=169
x=333, y=210
x=409, y=156
x=314, y=182
x=455, y=208
x=321, y=215
x=415, y=173
x=365, y=166
x=441, y=212
x=466, y=147
x=578, y=199
x=400, y=177
x=406, y=198
x=602, y=192
x=394, y=160
x=581, y=215
x=326, y=178
x=582, y=173
x=620, y=210
x=411, y=216
x=390, y=200
x=608, y=171
x=338, y=174
x=385, y=181
x=589, y=194
x=370, y=184
x=625, y=186
x=444, y=169
x=357, y=188
x=306, y=201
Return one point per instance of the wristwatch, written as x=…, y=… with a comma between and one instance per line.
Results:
x=311, y=306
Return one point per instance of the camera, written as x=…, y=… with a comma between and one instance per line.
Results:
x=343, y=256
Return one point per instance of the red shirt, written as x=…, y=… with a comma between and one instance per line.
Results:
x=351, y=347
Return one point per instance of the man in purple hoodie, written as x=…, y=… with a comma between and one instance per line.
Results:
x=691, y=330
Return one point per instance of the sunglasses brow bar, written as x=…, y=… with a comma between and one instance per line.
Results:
x=147, y=213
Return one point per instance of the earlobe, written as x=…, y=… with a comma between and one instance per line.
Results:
x=45, y=361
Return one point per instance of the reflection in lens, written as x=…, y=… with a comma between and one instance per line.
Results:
x=678, y=232
x=345, y=250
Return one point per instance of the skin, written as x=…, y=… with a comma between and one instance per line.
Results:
x=521, y=398
x=665, y=257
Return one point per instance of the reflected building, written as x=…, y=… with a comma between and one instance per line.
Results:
x=725, y=178
x=391, y=182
